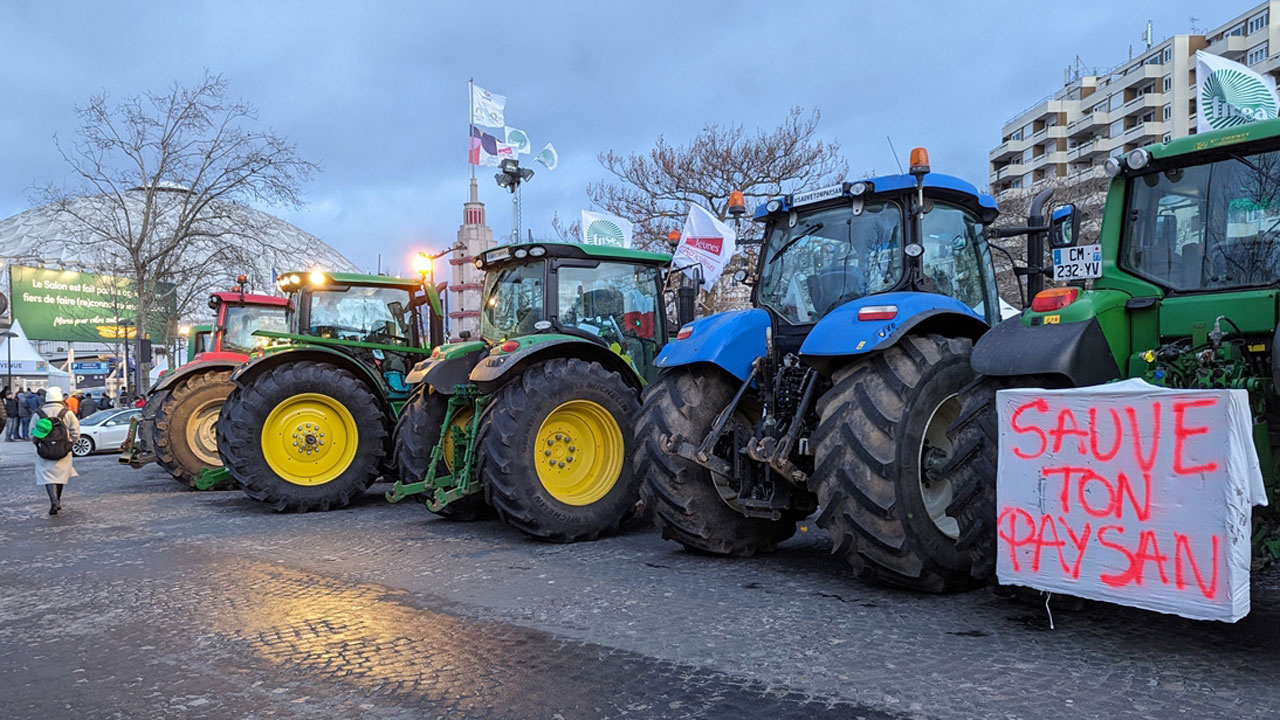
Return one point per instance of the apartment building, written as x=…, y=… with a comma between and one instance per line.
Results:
x=1147, y=99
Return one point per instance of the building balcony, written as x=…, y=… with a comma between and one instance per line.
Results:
x=1086, y=125
x=1009, y=148
x=1012, y=170
x=1145, y=133
x=1042, y=108
x=1049, y=158
x=1150, y=101
x=1233, y=44
x=1137, y=74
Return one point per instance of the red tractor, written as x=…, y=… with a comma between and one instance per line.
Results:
x=178, y=425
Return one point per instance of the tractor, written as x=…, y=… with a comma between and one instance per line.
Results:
x=176, y=428
x=308, y=425
x=834, y=391
x=535, y=418
x=1187, y=295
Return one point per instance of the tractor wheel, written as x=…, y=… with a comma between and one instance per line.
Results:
x=417, y=433
x=185, y=438
x=680, y=493
x=880, y=443
x=554, y=446
x=149, y=410
x=971, y=471
x=302, y=436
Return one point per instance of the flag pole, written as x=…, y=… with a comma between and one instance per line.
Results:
x=471, y=103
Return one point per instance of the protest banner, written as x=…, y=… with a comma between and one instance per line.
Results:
x=1129, y=493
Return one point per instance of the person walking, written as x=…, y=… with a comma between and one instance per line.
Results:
x=11, y=410
x=55, y=430
x=24, y=412
x=73, y=403
x=88, y=406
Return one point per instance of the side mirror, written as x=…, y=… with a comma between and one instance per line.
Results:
x=1063, y=226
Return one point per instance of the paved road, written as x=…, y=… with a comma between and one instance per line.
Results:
x=142, y=600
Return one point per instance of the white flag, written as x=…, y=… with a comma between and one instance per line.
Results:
x=486, y=107
x=548, y=157
x=518, y=140
x=505, y=152
x=1229, y=94
x=608, y=230
x=705, y=242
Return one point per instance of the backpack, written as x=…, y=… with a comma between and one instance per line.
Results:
x=55, y=443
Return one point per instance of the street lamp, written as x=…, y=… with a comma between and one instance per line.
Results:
x=8, y=336
x=511, y=176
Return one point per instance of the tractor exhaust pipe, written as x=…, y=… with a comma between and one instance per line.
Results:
x=1039, y=227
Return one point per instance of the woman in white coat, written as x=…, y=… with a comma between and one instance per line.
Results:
x=53, y=474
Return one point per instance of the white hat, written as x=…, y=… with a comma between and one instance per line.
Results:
x=53, y=394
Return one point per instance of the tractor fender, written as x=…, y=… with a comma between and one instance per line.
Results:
x=498, y=368
x=842, y=335
x=199, y=365
x=445, y=370
x=256, y=366
x=730, y=340
x=1077, y=351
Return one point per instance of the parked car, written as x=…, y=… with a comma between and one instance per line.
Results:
x=103, y=431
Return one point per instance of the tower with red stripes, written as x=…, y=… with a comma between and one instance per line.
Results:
x=474, y=237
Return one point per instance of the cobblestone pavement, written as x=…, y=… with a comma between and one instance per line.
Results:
x=143, y=600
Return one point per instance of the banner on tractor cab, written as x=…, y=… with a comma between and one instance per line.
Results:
x=1129, y=493
x=1229, y=94
x=705, y=242
x=606, y=230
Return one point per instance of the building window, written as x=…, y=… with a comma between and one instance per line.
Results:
x=1166, y=112
x=1167, y=54
x=1258, y=22
x=1237, y=30
x=1167, y=137
x=1027, y=155
x=1154, y=60
x=1149, y=117
x=1256, y=55
x=1168, y=83
x=1117, y=128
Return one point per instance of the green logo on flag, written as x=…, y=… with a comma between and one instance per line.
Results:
x=1230, y=98
x=603, y=232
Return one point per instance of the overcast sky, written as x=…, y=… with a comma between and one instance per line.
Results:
x=376, y=92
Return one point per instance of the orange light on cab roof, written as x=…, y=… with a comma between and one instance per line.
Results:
x=919, y=161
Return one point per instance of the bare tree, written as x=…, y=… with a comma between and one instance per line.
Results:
x=168, y=174
x=654, y=189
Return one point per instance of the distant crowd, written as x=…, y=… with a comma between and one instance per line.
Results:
x=19, y=407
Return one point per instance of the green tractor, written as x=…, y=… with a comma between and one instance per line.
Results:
x=1186, y=295
x=535, y=420
x=308, y=425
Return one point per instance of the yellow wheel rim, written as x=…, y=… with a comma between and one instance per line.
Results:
x=309, y=439
x=578, y=453
x=460, y=420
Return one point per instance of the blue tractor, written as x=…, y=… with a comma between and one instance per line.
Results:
x=835, y=390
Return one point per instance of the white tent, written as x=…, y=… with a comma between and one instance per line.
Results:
x=18, y=357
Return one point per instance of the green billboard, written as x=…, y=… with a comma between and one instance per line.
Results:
x=68, y=305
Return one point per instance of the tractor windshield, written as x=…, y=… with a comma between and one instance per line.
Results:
x=1206, y=227
x=365, y=314
x=618, y=303
x=830, y=257
x=242, y=320
x=513, y=301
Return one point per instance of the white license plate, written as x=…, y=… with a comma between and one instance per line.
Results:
x=1077, y=263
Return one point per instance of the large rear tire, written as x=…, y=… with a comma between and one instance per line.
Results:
x=417, y=433
x=335, y=419
x=554, y=448
x=681, y=493
x=185, y=438
x=879, y=443
x=975, y=437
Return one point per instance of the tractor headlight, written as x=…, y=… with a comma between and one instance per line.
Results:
x=1138, y=159
x=521, y=254
x=537, y=251
x=1111, y=167
x=857, y=188
x=773, y=205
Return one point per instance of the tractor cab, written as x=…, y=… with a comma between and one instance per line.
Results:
x=609, y=297
x=376, y=319
x=827, y=247
x=239, y=315
x=199, y=341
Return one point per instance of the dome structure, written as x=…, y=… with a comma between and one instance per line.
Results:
x=236, y=239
